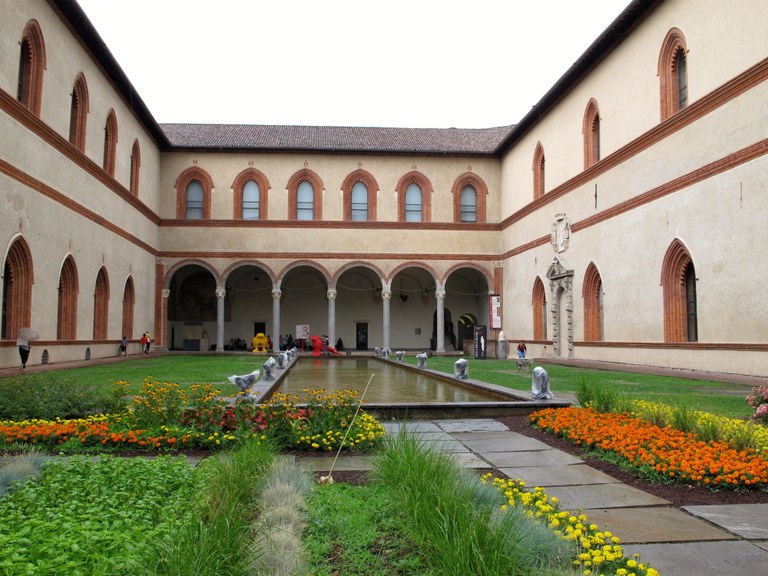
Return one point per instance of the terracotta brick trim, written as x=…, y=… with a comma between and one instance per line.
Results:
x=673, y=269
x=110, y=143
x=305, y=174
x=481, y=190
x=191, y=174
x=538, y=171
x=669, y=86
x=360, y=175
x=135, y=168
x=590, y=129
x=414, y=177
x=539, y=302
x=129, y=305
x=66, y=324
x=237, y=189
x=32, y=61
x=18, y=281
x=78, y=118
x=593, y=312
x=101, y=305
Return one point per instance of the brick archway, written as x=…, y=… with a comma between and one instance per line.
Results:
x=18, y=278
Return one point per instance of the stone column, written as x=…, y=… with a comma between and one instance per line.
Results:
x=164, y=295
x=331, y=294
x=276, y=294
x=386, y=297
x=221, y=293
x=440, y=296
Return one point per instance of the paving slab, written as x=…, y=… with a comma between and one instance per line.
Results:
x=324, y=463
x=469, y=460
x=499, y=442
x=727, y=558
x=552, y=457
x=761, y=543
x=655, y=525
x=616, y=495
x=471, y=425
x=547, y=476
x=749, y=521
x=394, y=426
x=449, y=445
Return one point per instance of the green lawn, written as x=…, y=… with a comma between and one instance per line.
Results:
x=724, y=399
x=720, y=398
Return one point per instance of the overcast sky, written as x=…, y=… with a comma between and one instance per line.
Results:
x=400, y=63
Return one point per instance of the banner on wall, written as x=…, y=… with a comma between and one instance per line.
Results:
x=481, y=342
x=494, y=306
x=302, y=331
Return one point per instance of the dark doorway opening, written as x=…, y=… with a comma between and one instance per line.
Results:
x=361, y=336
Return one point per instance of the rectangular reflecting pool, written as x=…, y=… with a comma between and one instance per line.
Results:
x=392, y=383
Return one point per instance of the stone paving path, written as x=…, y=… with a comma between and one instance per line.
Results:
x=692, y=541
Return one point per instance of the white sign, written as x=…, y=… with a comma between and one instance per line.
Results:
x=494, y=305
x=302, y=331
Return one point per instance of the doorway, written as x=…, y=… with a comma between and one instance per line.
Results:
x=361, y=338
x=259, y=328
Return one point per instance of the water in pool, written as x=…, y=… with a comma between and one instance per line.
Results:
x=391, y=384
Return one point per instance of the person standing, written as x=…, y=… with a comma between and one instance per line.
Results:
x=23, y=343
x=123, y=349
x=521, y=350
x=145, y=343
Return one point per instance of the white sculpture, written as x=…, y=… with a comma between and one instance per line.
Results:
x=246, y=381
x=540, y=384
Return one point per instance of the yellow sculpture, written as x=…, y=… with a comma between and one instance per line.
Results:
x=259, y=342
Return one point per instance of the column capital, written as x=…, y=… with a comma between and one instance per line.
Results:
x=165, y=292
x=386, y=294
x=277, y=294
x=221, y=293
x=331, y=294
x=440, y=293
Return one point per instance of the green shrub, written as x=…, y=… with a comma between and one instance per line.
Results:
x=42, y=396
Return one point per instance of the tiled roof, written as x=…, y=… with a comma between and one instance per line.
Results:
x=336, y=138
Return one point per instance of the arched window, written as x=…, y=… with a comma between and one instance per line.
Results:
x=678, y=281
x=359, y=202
x=305, y=201
x=539, y=302
x=135, y=168
x=414, y=198
x=31, y=68
x=538, y=171
x=101, y=306
x=66, y=318
x=469, y=198
x=250, y=189
x=194, y=201
x=110, y=143
x=305, y=196
x=193, y=194
x=593, y=304
x=468, y=204
x=17, y=289
x=673, y=73
x=78, y=114
x=129, y=303
x=591, y=132
x=359, y=191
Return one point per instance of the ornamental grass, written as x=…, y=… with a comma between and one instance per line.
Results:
x=598, y=551
x=661, y=454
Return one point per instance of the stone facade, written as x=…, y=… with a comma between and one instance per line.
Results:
x=661, y=185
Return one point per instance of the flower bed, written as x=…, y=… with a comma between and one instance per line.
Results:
x=162, y=416
x=658, y=453
x=600, y=550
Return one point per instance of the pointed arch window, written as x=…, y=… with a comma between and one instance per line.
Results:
x=193, y=194
x=18, y=278
x=359, y=191
x=539, y=302
x=31, y=68
x=538, y=171
x=129, y=303
x=66, y=318
x=414, y=198
x=101, y=306
x=678, y=280
x=110, y=143
x=591, y=132
x=469, y=198
x=592, y=294
x=250, y=188
x=135, y=168
x=305, y=196
x=78, y=114
x=673, y=73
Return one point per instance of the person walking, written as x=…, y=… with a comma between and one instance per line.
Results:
x=23, y=343
x=145, y=343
